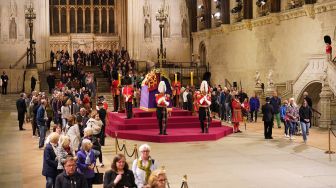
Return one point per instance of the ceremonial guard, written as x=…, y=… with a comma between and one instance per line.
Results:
x=162, y=102
x=236, y=113
x=204, y=102
x=115, y=91
x=128, y=93
x=327, y=41
x=176, y=88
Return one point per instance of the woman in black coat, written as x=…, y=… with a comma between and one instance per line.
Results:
x=119, y=176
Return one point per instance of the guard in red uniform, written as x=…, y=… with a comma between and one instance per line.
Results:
x=128, y=93
x=162, y=102
x=204, y=102
x=176, y=88
x=327, y=41
x=236, y=113
x=115, y=91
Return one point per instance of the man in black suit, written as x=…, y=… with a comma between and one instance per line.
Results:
x=4, y=79
x=22, y=109
x=268, y=118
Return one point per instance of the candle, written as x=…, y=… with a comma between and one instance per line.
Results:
x=191, y=78
x=175, y=78
x=119, y=79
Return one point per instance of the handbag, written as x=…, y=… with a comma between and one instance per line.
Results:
x=98, y=178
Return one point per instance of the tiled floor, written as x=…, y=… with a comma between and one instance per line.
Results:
x=239, y=160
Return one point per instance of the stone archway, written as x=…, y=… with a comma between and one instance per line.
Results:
x=314, y=89
x=203, y=54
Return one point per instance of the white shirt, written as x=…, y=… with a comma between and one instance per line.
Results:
x=185, y=98
x=140, y=175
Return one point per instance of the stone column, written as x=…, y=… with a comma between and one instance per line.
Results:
x=108, y=19
x=59, y=20
x=68, y=17
x=100, y=19
x=325, y=95
x=91, y=16
x=76, y=19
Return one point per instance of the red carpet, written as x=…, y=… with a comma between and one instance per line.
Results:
x=181, y=127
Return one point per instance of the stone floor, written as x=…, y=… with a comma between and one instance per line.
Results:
x=239, y=160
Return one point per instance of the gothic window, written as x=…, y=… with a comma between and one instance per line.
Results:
x=80, y=20
x=87, y=2
x=104, y=21
x=72, y=20
x=87, y=20
x=111, y=20
x=80, y=16
x=55, y=20
x=63, y=20
x=12, y=29
x=96, y=20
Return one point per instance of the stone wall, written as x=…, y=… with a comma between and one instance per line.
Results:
x=14, y=42
x=281, y=42
x=144, y=46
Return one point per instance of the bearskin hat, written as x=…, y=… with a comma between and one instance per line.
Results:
x=327, y=39
x=115, y=75
x=207, y=76
x=127, y=80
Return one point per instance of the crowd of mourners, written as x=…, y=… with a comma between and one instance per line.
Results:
x=77, y=129
x=78, y=132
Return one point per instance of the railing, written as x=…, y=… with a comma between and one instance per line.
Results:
x=43, y=66
x=18, y=61
x=315, y=118
x=123, y=148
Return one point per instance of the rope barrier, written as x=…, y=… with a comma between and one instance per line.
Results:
x=184, y=182
x=329, y=142
x=333, y=132
x=124, y=148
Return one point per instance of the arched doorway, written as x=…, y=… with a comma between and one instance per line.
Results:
x=314, y=89
x=203, y=53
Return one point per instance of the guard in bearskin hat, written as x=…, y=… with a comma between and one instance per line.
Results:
x=128, y=93
x=327, y=41
x=162, y=102
x=204, y=102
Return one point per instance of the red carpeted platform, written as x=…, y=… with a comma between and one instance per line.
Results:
x=181, y=127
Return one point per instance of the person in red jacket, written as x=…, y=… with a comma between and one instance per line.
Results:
x=162, y=102
x=204, y=102
x=236, y=113
x=128, y=93
x=115, y=91
x=327, y=41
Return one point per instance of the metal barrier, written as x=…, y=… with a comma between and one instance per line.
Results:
x=124, y=149
x=330, y=131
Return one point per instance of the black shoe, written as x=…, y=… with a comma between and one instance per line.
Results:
x=22, y=129
x=165, y=134
x=239, y=131
x=160, y=133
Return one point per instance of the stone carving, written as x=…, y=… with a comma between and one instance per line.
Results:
x=263, y=9
x=184, y=16
x=257, y=78
x=147, y=20
x=13, y=9
x=166, y=27
x=310, y=11
x=324, y=77
x=12, y=29
x=270, y=79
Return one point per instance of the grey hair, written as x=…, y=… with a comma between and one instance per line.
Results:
x=143, y=147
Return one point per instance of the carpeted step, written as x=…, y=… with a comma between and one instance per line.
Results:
x=174, y=135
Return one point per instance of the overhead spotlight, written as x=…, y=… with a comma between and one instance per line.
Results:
x=260, y=3
x=216, y=15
